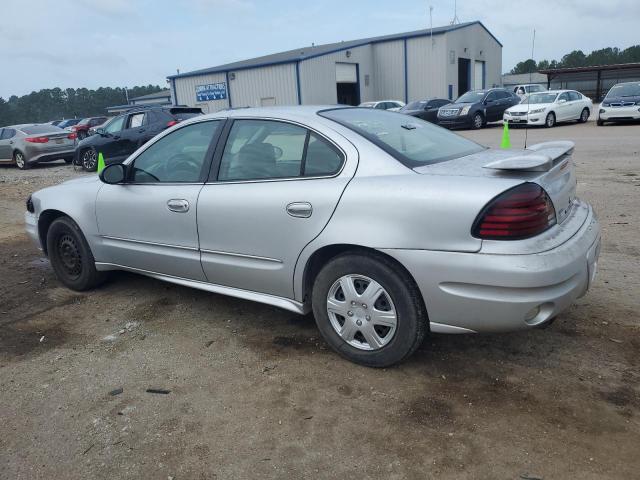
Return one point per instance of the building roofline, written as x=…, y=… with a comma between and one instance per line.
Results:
x=339, y=48
x=593, y=68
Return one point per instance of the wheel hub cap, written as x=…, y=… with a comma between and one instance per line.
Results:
x=70, y=257
x=361, y=312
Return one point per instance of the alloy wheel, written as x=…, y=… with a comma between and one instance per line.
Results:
x=477, y=121
x=89, y=159
x=585, y=115
x=19, y=157
x=361, y=312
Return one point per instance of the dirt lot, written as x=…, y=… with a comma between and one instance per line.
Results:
x=255, y=393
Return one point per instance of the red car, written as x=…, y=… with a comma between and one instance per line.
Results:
x=83, y=126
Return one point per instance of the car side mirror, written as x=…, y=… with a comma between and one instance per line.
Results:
x=113, y=174
x=100, y=131
x=562, y=101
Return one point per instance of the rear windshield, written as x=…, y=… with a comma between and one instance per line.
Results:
x=410, y=140
x=421, y=105
x=624, y=90
x=30, y=130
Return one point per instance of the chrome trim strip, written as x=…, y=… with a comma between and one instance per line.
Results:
x=241, y=255
x=280, y=302
x=144, y=242
x=450, y=329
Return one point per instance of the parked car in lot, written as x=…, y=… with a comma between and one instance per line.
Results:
x=425, y=109
x=391, y=105
x=477, y=107
x=527, y=89
x=125, y=133
x=83, y=126
x=67, y=124
x=54, y=122
x=26, y=145
x=548, y=108
x=622, y=103
x=432, y=232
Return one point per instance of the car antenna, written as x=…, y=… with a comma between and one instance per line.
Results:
x=526, y=125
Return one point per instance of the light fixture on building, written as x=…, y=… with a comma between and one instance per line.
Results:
x=348, y=54
x=232, y=76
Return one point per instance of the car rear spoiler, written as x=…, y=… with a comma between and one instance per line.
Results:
x=543, y=159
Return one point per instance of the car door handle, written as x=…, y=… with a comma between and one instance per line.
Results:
x=142, y=130
x=178, y=205
x=300, y=209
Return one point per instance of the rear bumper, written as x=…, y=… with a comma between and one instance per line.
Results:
x=50, y=156
x=481, y=292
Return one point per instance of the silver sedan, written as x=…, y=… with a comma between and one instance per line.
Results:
x=385, y=226
x=26, y=145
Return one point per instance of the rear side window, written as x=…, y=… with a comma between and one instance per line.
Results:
x=574, y=96
x=267, y=149
x=136, y=120
x=410, y=140
x=7, y=133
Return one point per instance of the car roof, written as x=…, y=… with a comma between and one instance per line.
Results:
x=299, y=111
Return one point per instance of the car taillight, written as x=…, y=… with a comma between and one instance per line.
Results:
x=522, y=212
x=36, y=139
x=172, y=123
x=72, y=136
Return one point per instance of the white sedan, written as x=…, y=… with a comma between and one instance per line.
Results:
x=391, y=105
x=548, y=108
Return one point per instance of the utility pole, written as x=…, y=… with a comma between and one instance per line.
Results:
x=126, y=94
x=455, y=20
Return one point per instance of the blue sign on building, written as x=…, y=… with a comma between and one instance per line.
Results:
x=212, y=91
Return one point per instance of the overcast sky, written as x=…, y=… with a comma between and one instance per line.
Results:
x=91, y=43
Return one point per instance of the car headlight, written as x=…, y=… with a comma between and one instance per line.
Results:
x=465, y=110
x=537, y=110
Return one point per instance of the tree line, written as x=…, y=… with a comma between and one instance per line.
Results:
x=577, y=58
x=57, y=103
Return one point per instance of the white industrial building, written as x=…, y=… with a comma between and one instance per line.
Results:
x=440, y=62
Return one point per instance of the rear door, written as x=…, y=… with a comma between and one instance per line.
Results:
x=6, y=150
x=575, y=100
x=275, y=189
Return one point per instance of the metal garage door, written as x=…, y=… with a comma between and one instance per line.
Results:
x=346, y=73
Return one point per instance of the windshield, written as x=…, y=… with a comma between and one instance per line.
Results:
x=416, y=105
x=367, y=104
x=540, y=98
x=624, y=90
x=471, y=97
x=410, y=140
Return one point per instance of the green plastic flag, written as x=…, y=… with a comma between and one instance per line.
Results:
x=506, y=143
x=101, y=164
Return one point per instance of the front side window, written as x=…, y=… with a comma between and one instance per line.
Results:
x=115, y=125
x=177, y=157
x=412, y=141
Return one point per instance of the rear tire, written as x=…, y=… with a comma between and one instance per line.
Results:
x=477, y=122
x=20, y=161
x=71, y=257
x=584, y=115
x=550, y=121
x=379, y=330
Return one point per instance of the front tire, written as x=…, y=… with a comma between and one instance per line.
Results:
x=368, y=309
x=89, y=159
x=71, y=257
x=550, y=121
x=477, y=122
x=584, y=115
x=20, y=161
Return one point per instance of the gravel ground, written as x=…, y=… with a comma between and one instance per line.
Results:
x=255, y=393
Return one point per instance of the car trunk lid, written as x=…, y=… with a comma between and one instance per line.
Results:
x=548, y=164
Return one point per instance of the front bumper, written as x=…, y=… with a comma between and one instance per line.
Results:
x=31, y=227
x=457, y=121
x=613, y=114
x=530, y=119
x=481, y=292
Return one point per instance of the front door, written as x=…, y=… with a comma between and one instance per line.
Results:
x=563, y=110
x=108, y=144
x=149, y=222
x=277, y=186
